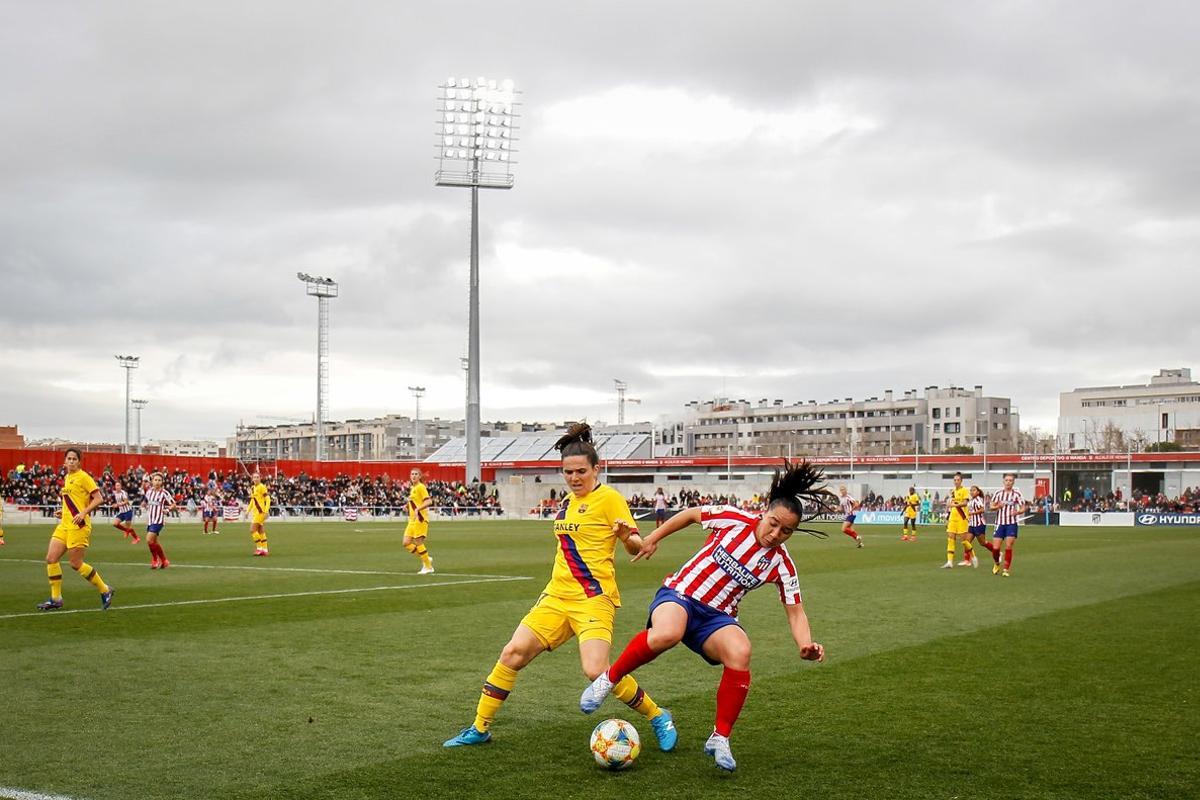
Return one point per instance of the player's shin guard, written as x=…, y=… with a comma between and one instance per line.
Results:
x=628, y=692
x=950, y=548
x=54, y=573
x=496, y=688
x=411, y=547
x=731, y=696
x=423, y=554
x=968, y=549
x=89, y=574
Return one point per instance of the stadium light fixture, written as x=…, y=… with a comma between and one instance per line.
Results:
x=129, y=364
x=418, y=437
x=475, y=141
x=323, y=289
x=138, y=405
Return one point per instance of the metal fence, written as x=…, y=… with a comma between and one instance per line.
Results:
x=35, y=515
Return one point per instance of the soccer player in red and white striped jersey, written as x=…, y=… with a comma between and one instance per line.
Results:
x=976, y=527
x=698, y=604
x=156, y=502
x=120, y=499
x=848, y=508
x=209, y=511
x=1009, y=505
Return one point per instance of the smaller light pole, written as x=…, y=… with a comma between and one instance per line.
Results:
x=138, y=405
x=129, y=364
x=418, y=439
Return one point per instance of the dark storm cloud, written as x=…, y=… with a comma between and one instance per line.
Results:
x=1023, y=194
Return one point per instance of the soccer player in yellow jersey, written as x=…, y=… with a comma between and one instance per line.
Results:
x=912, y=504
x=581, y=598
x=417, y=529
x=257, y=510
x=958, y=522
x=80, y=497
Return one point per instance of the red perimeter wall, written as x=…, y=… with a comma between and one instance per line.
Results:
x=95, y=463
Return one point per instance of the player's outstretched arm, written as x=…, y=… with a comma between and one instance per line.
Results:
x=627, y=532
x=802, y=633
x=682, y=519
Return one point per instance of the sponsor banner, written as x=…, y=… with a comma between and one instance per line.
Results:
x=350, y=514
x=1096, y=519
x=1163, y=519
x=879, y=518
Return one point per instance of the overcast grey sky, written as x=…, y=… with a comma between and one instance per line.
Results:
x=765, y=199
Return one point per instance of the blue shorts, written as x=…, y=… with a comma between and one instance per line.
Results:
x=1008, y=531
x=125, y=516
x=209, y=514
x=703, y=621
x=849, y=518
x=977, y=530
x=154, y=528
x=660, y=516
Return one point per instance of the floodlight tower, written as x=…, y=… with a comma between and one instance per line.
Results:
x=138, y=405
x=129, y=364
x=322, y=289
x=418, y=392
x=475, y=136
x=622, y=386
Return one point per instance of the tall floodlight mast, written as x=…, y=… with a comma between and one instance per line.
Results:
x=322, y=289
x=129, y=364
x=476, y=137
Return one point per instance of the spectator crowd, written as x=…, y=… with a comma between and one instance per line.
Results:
x=39, y=485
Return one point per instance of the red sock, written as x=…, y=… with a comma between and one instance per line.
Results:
x=153, y=553
x=635, y=654
x=853, y=534
x=731, y=696
x=1008, y=558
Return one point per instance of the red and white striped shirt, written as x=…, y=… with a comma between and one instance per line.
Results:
x=732, y=562
x=209, y=504
x=156, y=501
x=121, y=501
x=847, y=504
x=975, y=508
x=1009, y=504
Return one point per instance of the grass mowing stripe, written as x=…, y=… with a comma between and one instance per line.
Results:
x=8, y=793
x=262, y=597
x=177, y=565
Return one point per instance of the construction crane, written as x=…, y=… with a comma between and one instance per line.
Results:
x=622, y=386
x=292, y=420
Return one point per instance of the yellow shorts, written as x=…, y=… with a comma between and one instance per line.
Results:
x=554, y=620
x=416, y=530
x=910, y=515
x=258, y=519
x=956, y=524
x=72, y=535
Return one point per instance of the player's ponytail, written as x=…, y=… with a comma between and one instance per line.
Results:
x=799, y=488
x=577, y=441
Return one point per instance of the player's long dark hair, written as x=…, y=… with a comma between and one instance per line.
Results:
x=577, y=441
x=800, y=488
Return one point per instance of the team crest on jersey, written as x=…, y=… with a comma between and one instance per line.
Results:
x=763, y=563
x=583, y=508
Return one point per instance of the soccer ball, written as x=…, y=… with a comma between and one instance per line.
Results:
x=615, y=744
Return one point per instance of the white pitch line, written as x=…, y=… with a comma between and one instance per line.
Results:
x=176, y=565
x=20, y=794
x=264, y=597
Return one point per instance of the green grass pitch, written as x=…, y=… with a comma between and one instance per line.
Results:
x=332, y=670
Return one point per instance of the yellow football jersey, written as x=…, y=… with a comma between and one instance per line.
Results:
x=260, y=501
x=583, y=565
x=417, y=495
x=960, y=495
x=911, y=504
x=76, y=494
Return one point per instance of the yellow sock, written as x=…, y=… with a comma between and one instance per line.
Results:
x=499, y=683
x=54, y=572
x=410, y=547
x=89, y=574
x=968, y=550
x=423, y=554
x=628, y=692
x=949, y=548
x=263, y=542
